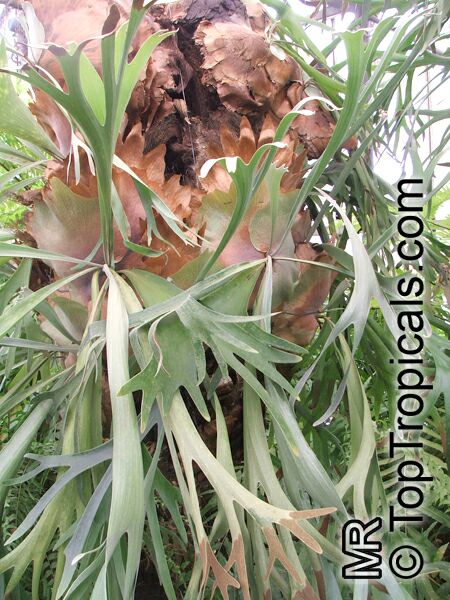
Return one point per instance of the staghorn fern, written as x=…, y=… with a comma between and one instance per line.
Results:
x=172, y=233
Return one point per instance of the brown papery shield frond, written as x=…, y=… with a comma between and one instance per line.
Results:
x=297, y=320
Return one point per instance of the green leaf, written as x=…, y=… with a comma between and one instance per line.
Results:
x=15, y=313
x=19, y=279
x=127, y=501
x=362, y=435
x=23, y=251
x=356, y=67
x=246, y=179
x=167, y=370
x=123, y=225
x=366, y=288
x=200, y=289
x=133, y=70
x=92, y=86
x=5, y=178
x=15, y=118
x=187, y=325
x=13, y=452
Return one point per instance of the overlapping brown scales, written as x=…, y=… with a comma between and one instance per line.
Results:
x=150, y=168
x=214, y=88
x=244, y=145
x=238, y=64
x=81, y=239
x=219, y=62
x=167, y=75
x=221, y=68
